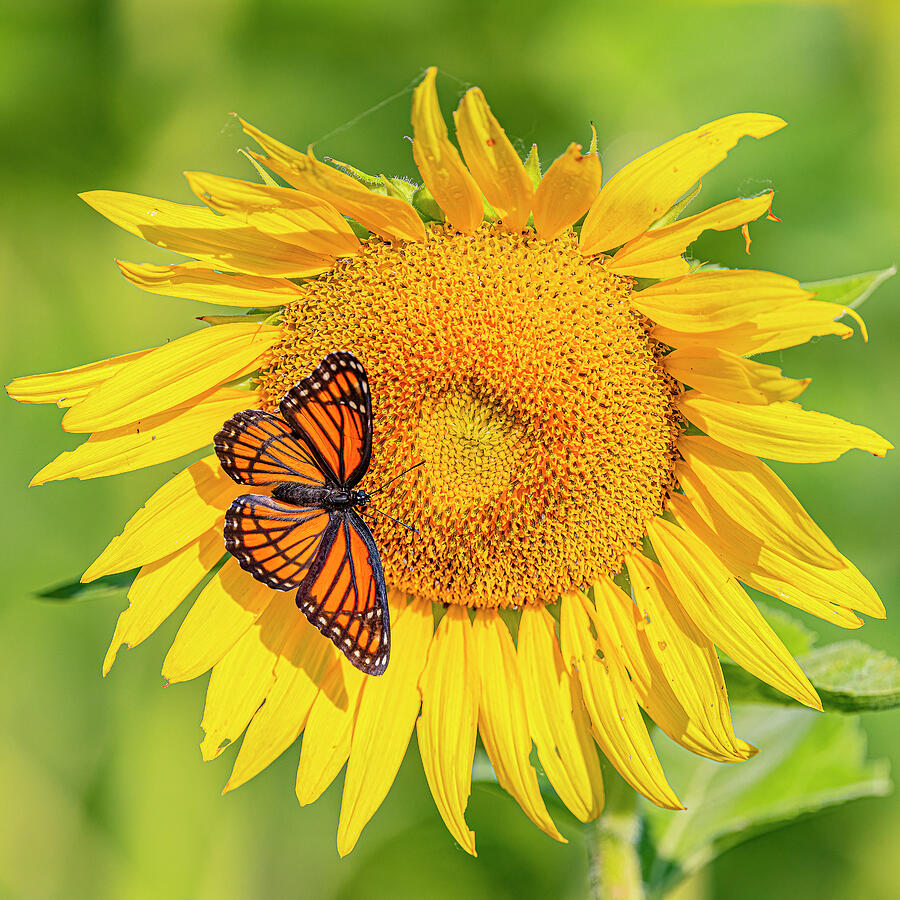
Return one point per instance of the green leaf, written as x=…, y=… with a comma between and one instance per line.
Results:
x=849, y=675
x=809, y=761
x=851, y=290
x=73, y=591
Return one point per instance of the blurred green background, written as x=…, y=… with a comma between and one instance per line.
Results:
x=103, y=791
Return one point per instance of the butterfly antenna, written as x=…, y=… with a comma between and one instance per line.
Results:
x=404, y=472
x=386, y=516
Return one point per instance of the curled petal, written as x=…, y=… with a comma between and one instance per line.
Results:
x=645, y=189
x=610, y=700
x=493, y=160
x=566, y=191
x=657, y=254
x=439, y=163
x=388, y=217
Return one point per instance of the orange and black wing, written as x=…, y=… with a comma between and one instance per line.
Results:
x=331, y=411
x=344, y=593
x=277, y=543
x=257, y=448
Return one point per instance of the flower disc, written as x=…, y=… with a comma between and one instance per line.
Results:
x=518, y=372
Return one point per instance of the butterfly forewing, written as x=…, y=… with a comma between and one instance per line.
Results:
x=276, y=542
x=257, y=448
x=344, y=594
x=331, y=411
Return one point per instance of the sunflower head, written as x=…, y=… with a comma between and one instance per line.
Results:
x=582, y=401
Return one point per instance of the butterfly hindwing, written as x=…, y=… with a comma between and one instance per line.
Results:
x=331, y=410
x=344, y=594
x=257, y=448
x=277, y=543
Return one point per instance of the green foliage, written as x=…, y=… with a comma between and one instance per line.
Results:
x=810, y=761
x=851, y=290
x=848, y=675
x=71, y=591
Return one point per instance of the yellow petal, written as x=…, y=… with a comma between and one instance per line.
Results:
x=610, y=700
x=724, y=613
x=751, y=493
x=716, y=300
x=225, y=609
x=725, y=376
x=306, y=666
x=502, y=720
x=209, y=286
x=448, y=724
x=783, y=431
x=329, y=731
x=185, y=507
x=645, y=189
x=172, y=374
x=384, y=724
x=493, y=160
x=388, y=217
x=286, y=214
x=810, y=588
x=686, y=657
x=160, y=587
x=770, y=557
x=556, y=717
x=195, y=231
x=149, y=441
x=439, y=163
x=657, y=254
x=654, y=691
x=566, y=191
x=69, y=386
x=240, y=681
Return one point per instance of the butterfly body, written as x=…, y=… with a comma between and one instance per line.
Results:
x=308, y=534
x=326, y=497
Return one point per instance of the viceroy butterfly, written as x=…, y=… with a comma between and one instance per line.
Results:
x=308, y=534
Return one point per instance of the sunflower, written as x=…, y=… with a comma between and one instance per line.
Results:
x=589, y=422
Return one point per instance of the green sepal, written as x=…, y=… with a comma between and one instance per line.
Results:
x=672, y=214
x=401, y=188
x=75, y=591
x=375, y=183
x=533, y=166
x=426, y=206
x=851, y=290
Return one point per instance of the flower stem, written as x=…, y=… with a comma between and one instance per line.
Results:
x=615, y=869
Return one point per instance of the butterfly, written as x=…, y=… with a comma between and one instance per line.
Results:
x=309, y=534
